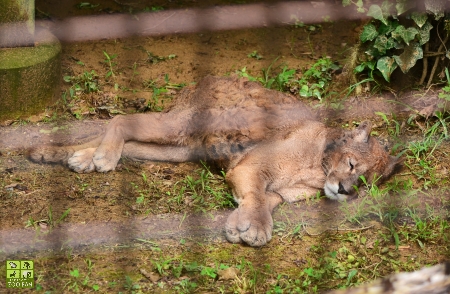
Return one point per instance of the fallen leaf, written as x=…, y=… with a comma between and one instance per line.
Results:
x=228, y=274
x=154, y=277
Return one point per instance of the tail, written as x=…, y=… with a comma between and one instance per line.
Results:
x=59, y=154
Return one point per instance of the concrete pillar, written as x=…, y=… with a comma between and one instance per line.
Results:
x=29, y=62
x=16, y=23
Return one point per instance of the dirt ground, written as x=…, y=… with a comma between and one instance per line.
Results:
x=116, y=220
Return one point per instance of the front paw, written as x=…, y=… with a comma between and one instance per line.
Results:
x=105, y=160
x=81, y=161
x=253, y=226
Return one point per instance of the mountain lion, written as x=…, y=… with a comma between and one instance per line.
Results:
x=271, y=145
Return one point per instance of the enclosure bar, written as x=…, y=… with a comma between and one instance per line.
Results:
x=182, y=21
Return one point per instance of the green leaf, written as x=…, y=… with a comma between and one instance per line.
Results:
x=369, y=33
x=410, y=34
x=363, y=240
x=386, y=65
x=419, y=18
x=376, y=12
x=404, y=5
x=399, y=45
x=397, y=240
x=371, y=64
x=351, y=274
x=401, y=33
x=75, y=273
x=346, y=3
x=409, y=57
x=207, y=271
x=386, y=8
x=385, y=29
x=424, y=33
x=383, y=43
x=359, y=3
x=374, y=53
x=359, y=68
x=317, y=94
x=304, y=91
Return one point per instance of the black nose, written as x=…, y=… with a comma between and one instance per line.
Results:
x=341, y=190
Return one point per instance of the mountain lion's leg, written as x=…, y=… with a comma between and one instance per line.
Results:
x=252, y=221
x=104, y=152
x=154, y=152
x=60, y=154
x=160, y=128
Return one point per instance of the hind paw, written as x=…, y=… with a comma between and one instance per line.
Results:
x=81, y=161
x=49, y=154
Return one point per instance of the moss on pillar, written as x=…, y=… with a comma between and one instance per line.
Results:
x=29, y=77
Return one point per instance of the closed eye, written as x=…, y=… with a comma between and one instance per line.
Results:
x=351, y=166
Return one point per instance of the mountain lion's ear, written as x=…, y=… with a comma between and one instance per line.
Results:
x=362, y=132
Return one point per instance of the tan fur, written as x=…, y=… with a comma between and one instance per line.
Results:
x=271, y=145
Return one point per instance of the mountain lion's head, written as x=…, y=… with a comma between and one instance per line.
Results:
x=351, y=156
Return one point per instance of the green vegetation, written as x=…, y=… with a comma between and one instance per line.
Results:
x=152, y=58
x=393, y=41
x=161, y=93
x=153, y=9
x=313, y=82
x=48, y=222
x=203, y=191
x=85, y=83
x=206, y=191
x=255, y=55
x=87, y=5
x=110, y=64
x=445, y=93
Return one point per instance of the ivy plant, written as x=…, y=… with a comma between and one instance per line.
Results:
x=390, y=41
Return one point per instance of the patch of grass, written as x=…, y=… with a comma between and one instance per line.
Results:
x=313, y=82
x=161, y=93
x=393, y=125
x=445, y=94
x=78, y=283
x=421, y=154
x=206, y=191
x=153, y=58
x=87, y=82
x=49, y=221
x=421, y=162
x=428, y=227
x=334, y=260
x=83, y=84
